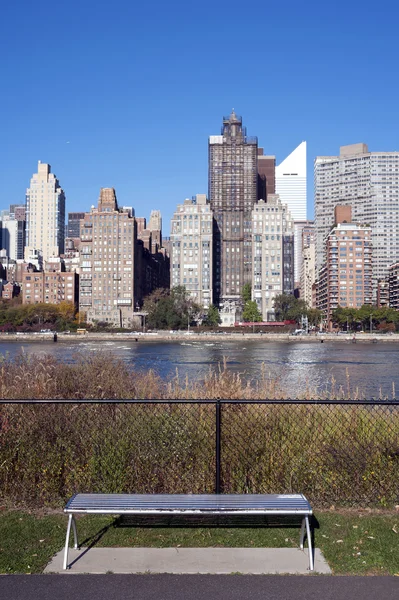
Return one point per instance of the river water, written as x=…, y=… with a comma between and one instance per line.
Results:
x=372, y=368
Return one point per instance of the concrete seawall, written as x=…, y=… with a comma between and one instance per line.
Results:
x=201, y=337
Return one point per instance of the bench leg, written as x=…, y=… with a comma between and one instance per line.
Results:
x=75, y=532
x=68, y=533
x=310, y=547
x=71, y=523
x=302, y=534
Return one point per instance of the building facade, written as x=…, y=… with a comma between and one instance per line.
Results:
x=45, y=214
x=347, y=276
x=393, y=279
x=272, y=250
x=49, y=287
x=291, y=182
x=303, y=233
x=266, y=175
x=369, y=183
x=233, y=178
x=107, y=291
x=191, y=247
x=308, y=274
x=12, y=237
x=73, y=227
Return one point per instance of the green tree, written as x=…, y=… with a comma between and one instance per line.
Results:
x=212, y=317
x=314, y=316
x=287, y=307
x=251, y=312
x=171, y=309
x=246, y=292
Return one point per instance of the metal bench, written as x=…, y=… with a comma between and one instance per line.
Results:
x=195, y=504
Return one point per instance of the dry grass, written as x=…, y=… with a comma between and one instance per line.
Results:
x=336, y=454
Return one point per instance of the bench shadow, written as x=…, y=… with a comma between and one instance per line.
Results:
x=90, y=542
x=187, y=521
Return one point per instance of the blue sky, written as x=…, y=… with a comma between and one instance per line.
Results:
x=125, y=94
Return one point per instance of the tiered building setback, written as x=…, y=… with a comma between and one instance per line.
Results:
x=45, y=215
x=233, y=177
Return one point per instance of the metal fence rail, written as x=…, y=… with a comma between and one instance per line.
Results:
x=335, y=452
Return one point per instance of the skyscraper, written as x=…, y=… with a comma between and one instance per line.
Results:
x=45, y=215
x=107, y=263
x=191, y=249
x=273, y=260
x=348, y=266
x=233, y=177
x=369, y=182
x=291, y=182
x=12, y=237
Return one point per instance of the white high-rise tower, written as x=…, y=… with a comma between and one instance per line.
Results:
x=291, y=182
x=291, y=187
x=45, y=215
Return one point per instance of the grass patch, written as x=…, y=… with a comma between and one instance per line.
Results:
x=354, y=543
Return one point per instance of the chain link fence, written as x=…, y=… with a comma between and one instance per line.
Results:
x=336, y=453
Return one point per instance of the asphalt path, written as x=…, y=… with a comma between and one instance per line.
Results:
x=197, y=587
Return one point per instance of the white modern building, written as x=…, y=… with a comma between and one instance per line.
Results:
x=291, y=187
x=272, y=250
x=291, y=182
x=191, y=246
x=45, y=215
x=369, y=183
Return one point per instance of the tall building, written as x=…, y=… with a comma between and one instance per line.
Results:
x=191, y=244
x=266, y=175
x=308, y=274
x=369, y=182
x=348, y=268
x=233, y=178
x=12, y=237
x=45, y=214
x=73, y=227
x=307, y=263
x=107, y=259
x=272, y=249
x=155, y=226
x=291, y=182
x=393, y=279
x=303, y=230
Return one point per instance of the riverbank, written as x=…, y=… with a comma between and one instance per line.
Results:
x=160, y=336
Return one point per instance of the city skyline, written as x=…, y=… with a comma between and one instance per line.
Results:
x=136, y=112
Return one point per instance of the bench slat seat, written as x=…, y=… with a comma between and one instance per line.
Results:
x=191, y=504
x=287, y=504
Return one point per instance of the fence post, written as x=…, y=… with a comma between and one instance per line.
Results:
x=218, y=444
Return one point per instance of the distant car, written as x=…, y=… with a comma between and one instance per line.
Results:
x=298, y=332
x=46, y=331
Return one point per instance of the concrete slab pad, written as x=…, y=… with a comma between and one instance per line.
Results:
x=215, y=561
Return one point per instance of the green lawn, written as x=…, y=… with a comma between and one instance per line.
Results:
x=352, y=543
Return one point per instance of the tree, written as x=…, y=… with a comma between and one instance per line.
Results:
x=251, y=312
x=314, y=316
x=287, y=307
x=212, y=316
x=170, y=309
x=246, y=292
